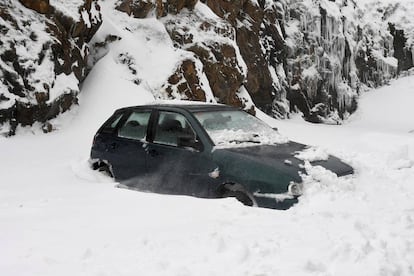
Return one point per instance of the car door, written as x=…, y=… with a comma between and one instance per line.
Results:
x=128, y=155
x=176, y=166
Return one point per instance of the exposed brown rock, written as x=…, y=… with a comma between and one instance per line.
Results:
x=41, y=6
x=228, y=10
x=141, y=8
x=186, y=82
x=219, y=59
x=88, y=31
x=175, y=6
x=47, y=127
x=41, y=97
x=223, y=73
x=27, y=114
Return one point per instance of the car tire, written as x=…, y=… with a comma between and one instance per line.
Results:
x=103, y=167
x=237, y=191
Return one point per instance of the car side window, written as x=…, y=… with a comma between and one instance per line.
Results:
x=171, y=127
x=115, y=122
x=135, y=127
x=110, y=125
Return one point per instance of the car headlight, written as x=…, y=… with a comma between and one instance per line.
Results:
x=295, y=189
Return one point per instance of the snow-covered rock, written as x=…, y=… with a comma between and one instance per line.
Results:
x=43, y=57
x=336, y=48
x=312, y=56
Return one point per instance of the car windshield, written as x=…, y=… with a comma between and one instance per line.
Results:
x=237, y=128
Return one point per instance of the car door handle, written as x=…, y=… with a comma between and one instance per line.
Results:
x=113, y=146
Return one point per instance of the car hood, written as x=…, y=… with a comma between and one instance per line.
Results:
x=283, y=157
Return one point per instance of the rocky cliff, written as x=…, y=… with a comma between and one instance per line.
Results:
x=279, y=56
x=43, y=58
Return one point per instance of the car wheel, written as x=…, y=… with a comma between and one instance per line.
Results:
x=237, y=191
x=103, y=167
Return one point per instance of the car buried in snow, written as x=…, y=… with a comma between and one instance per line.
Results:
x=203, y=150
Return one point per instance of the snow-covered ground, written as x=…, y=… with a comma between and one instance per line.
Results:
x=57, y=217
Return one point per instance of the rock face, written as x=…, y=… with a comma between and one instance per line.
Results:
x=43, y=58
x=338, y=48
x=402, y=53
x=211, y=40
x=281, y=56
x=213, y=43
x=185, y=81
x=335, y=50
x=141, y=9
x=41, y=6
x=261, y=45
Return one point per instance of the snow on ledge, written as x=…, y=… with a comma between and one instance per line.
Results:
x=69, y=8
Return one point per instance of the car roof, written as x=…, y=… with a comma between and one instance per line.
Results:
x=192, y=107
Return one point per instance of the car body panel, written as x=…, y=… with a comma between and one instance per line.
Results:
x=127, y=158
x=335, y=165
x=261, y=168
x=180, y=170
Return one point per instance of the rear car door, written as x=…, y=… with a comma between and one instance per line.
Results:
x=127, y=150
x=175, y=166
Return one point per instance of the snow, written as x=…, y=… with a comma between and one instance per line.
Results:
x=395, y=11
x=58, y=217
x=230, y=129
x=63, y=82
x=145, y=53
x=230, y=138
x=312, y=154
x=85, y=18
x=69, y=8
x=392, y=115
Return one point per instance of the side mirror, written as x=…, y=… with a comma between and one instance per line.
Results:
x=188, y=141
x=275, y=128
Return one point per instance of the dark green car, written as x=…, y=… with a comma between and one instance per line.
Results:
x=203, y=150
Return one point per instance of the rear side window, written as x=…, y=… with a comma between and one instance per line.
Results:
x=135, y=127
